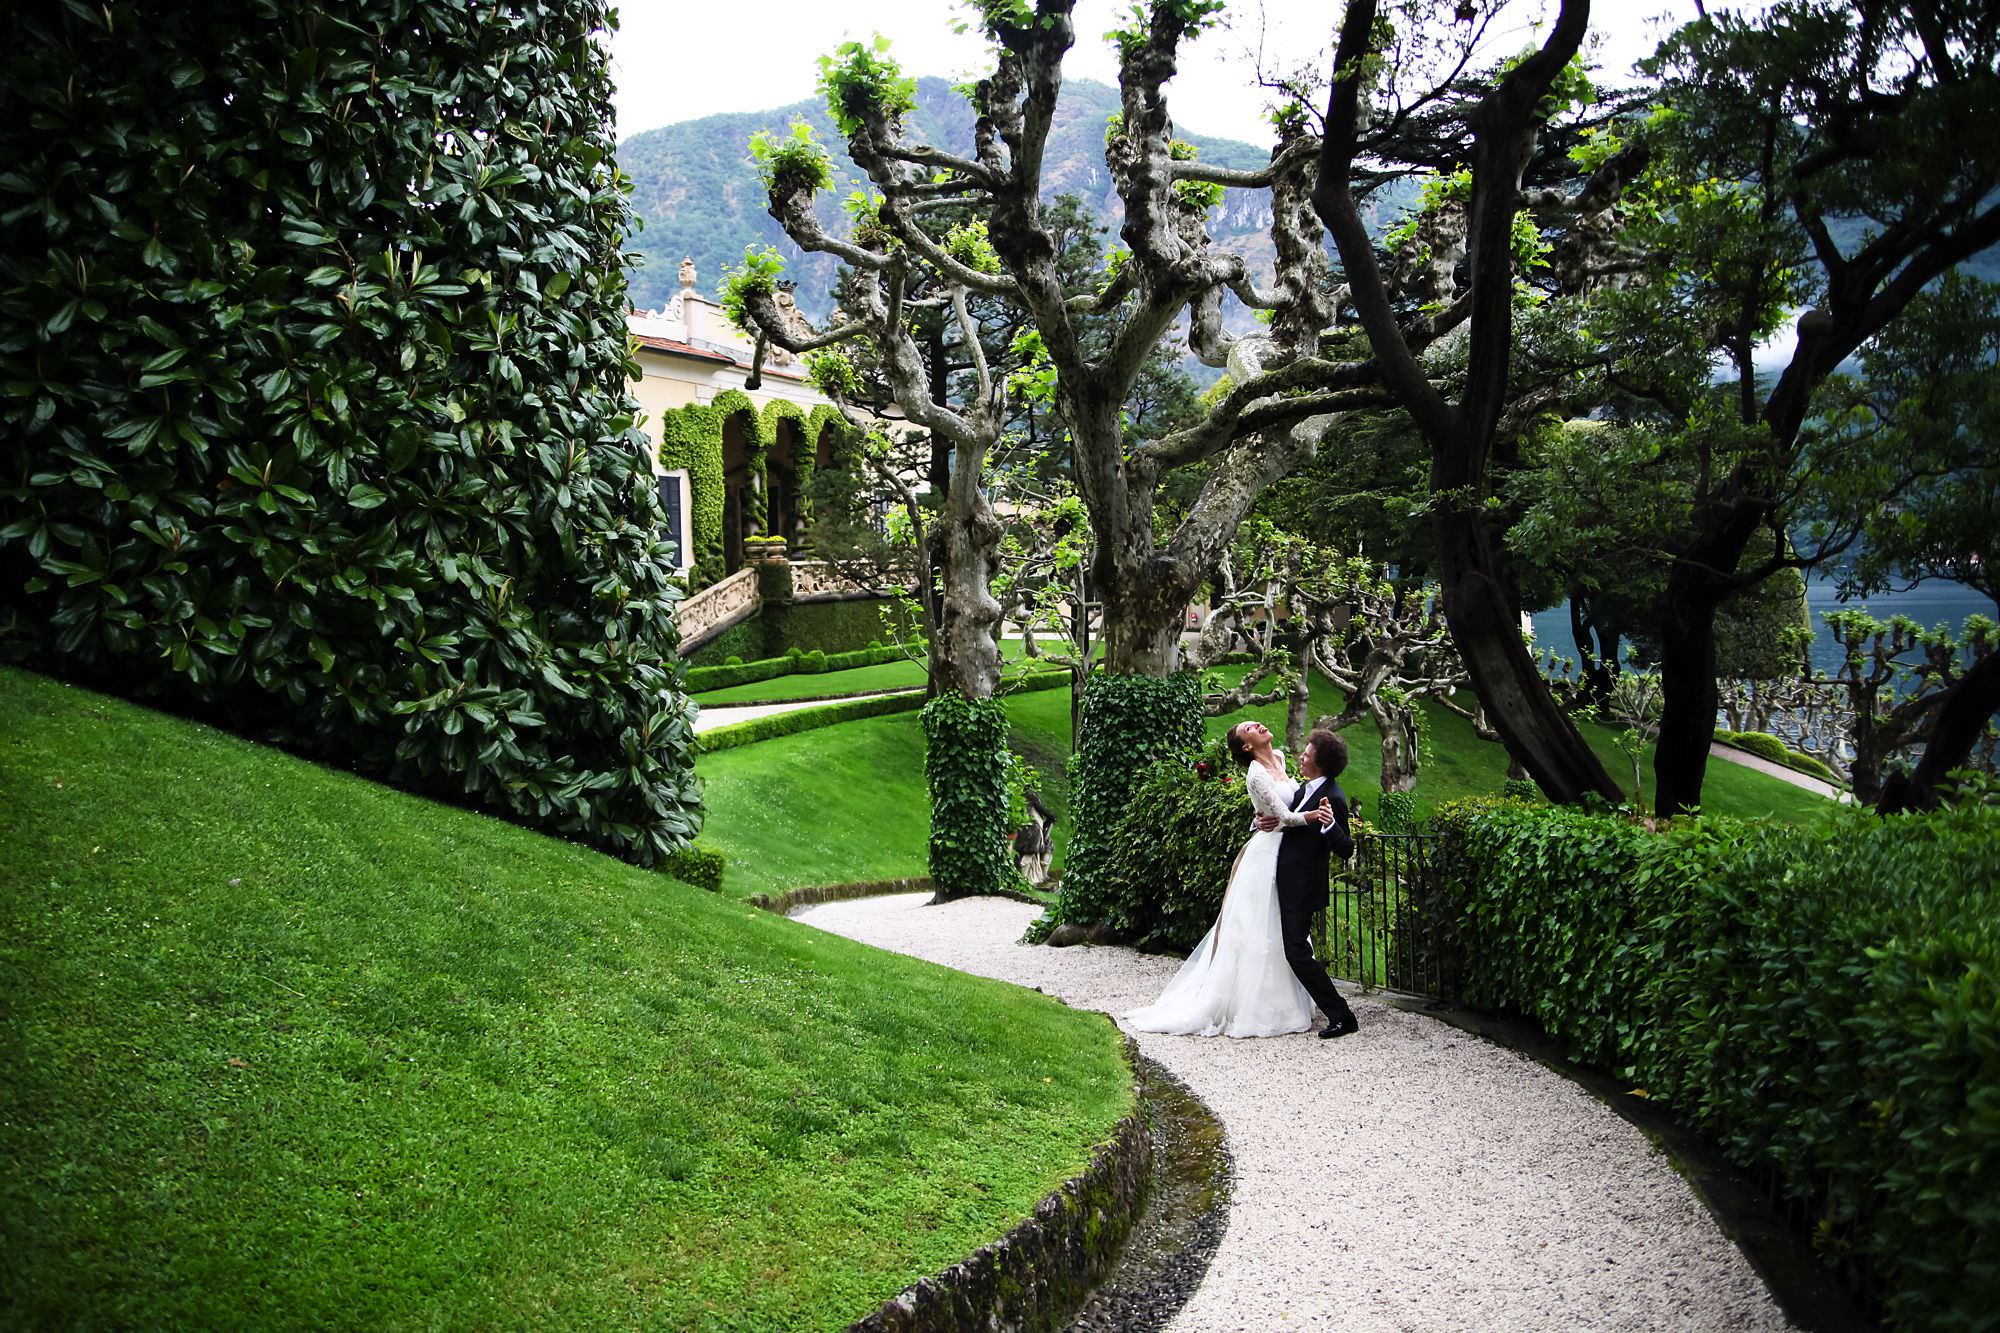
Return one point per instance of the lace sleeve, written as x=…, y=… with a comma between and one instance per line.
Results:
x=1264, y=796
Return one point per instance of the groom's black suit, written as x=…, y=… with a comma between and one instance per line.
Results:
x=1303, y=875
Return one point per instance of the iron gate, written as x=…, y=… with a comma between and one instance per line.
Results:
x=1385, y=926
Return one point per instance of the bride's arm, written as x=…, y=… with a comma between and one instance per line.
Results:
x=1264, y=796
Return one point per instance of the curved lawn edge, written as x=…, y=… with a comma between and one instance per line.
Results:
x=1038, y=1275
x=812, y=895
x=1745, y=1210
x=796, y=720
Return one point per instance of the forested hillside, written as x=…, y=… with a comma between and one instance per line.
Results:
x=695, y=190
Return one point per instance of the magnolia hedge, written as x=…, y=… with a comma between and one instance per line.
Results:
x=1823, y=1001
x=313, y=409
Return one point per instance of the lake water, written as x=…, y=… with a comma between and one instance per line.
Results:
x=1929, y=604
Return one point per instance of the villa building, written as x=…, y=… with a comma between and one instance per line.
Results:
x=733, y=463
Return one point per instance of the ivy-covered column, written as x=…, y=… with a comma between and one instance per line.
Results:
x=965, y=762
x=1127, y=721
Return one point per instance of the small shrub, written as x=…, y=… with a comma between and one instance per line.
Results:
x=697, y=864
x=1397, y=812
x=732, y=660
x=1520, y=789
x=1187, y=817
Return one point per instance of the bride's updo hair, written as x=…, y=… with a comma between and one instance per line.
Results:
x=1237, y=749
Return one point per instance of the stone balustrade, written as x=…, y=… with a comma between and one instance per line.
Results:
x=716, y=605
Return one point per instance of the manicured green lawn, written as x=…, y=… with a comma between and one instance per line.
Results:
x=286, y=1048
x=848, y=802
x=826, y=684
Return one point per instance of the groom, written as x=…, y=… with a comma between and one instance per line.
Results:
x=1303, y=870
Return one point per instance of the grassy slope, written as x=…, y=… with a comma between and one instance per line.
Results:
x=284, y=1047
x=856, y=680
x=848, y=802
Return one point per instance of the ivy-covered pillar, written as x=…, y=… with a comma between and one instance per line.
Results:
x=965, y=762
x=1128, y=720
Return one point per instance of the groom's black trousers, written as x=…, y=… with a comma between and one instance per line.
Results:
x=1297, y=928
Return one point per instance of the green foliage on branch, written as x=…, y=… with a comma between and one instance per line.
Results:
x=1819, y=1000
x=861, y=80
x=792, y=162
x=757, y=275
x=1127, y=722
x=965, y=762
x=316, y=417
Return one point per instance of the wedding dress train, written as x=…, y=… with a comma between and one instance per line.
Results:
x=1237, y=983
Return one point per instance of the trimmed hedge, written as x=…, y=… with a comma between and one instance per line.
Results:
x=699, y=865
x=838, y=626
x=965, y=771
x=743, y=641
x=1127, y=721
x=806, y=719
x=811, y=719
x=1821, y=1001
x=314, y=408
x=702, y=679
x=1766, y=746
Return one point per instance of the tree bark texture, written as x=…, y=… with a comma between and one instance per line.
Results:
x=1963, y=715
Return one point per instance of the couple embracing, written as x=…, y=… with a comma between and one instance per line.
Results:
x=1254, y=973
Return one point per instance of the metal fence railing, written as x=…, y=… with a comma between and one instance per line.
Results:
x=1384, y=927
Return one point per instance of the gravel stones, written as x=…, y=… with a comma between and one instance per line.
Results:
x=1407, y=1177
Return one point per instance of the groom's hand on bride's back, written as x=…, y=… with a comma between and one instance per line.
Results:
x=1268, y=823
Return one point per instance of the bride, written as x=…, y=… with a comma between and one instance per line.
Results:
x=1237, y=982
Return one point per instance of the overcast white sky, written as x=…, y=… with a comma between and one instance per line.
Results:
x=678, y=60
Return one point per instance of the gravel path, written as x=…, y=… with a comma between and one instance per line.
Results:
x=1407, y=1178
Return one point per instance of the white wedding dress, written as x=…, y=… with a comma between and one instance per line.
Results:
x=1237, y=983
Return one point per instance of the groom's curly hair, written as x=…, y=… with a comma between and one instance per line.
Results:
x=1329, y=753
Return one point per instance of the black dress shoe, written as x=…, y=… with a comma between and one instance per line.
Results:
x=1339, y=1029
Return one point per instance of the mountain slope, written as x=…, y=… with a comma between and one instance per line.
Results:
x=695, y=191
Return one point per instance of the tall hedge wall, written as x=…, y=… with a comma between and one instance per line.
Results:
x=1126, y=723
x=314, y=414
x=1823, y=1001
